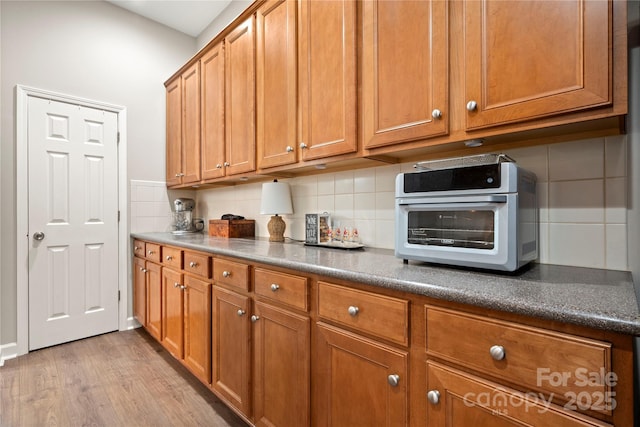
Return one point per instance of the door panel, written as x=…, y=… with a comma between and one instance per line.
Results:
x=212, y=67
x=73, y=283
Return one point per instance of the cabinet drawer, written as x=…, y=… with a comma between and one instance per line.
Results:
x=138, y=248
x=286, y=288
x=379, y=315
x=231, y=273
x=565, y=366
x=152, y=252
x=196, y=263
x=172, y=257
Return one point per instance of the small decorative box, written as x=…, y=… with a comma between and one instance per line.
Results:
x=232, y=228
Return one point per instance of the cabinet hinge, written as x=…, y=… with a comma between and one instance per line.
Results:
x=118, y=138
x=118, y=216
x=118, y=295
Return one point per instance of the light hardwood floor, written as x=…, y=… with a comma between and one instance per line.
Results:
x=116, y=379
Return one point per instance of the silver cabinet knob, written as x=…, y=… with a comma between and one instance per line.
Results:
x=289, y=149
x=226, y=273
x=38, y=235
x=353, y=310
x=136, y=249
x=255, y=318
x=241, y=312
x=183, y=287
x=179, y=175
x=225, y=164
x=169, y=257
x=144, y=270
x=218, y=166
x=274, y=287
x=150, y=252
x=393, y=380
x=472, y=105
x=497, y=352
x=176, y=285
x=436, y=114
x=433, y=396
x=303, y=146
x=193, y=264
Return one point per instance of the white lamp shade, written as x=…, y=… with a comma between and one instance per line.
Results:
x=276, y=199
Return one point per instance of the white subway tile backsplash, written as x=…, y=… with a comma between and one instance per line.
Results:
x=616, y=235
x=616, y=156
x=576, y=160
x=582, y=210
x=576, y=201
x=364, y=180
x=580, y=245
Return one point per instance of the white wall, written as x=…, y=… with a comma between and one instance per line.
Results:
x=231, y=12
x=94, y=50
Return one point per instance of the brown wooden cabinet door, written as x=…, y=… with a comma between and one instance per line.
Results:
x=276, y=112
x=281, y=367
x=466, y=400
x=191, y=124
x=240, y=102
x=230, y=349
x=212, y=92
x=531, y=59
x=140, y=290
x=154, y=300
x=197, y=327
x=327, y=77
x=404, y=71
x=174, y=132
x=353, y=378
x=172, y=312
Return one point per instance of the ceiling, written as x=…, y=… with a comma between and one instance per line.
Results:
x=187, y=16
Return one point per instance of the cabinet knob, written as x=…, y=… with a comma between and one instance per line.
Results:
x=226, y=164
x=150, y=252
x=436, y=114
x=255, y=318
x=433, y=396
x=144, y=270
x=169, y=257
x=497, y=352
x=176, y=285
x=303, y=146
x=289, y=149
x=136, y=248
x=393, y=380
x=472, y=105
x=193, y=264
x=274, y=287
x=353, y=310
x=226, y=273
x=241, y=312
x=218, y=166
x=183, y=287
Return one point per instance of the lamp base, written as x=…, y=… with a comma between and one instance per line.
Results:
x=276, y=227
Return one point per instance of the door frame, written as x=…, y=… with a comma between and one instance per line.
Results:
x=22, y=208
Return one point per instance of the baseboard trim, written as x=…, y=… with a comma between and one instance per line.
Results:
x=8, y=351
x=132, y=323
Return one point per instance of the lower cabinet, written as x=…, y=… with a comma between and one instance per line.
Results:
x=455, y=398
x=281, y=350
x=231, y=351
x=140, y=290
x=154, y=300
x=360, y=382
x=186, y=321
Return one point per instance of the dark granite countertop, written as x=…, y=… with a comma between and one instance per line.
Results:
x=602, y=299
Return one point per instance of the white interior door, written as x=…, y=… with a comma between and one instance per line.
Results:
x=73, y=222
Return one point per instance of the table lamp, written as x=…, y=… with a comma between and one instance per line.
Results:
x=276, y=200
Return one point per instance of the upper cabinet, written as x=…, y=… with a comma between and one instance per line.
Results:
x=292, y=84
x=212, y=90
x=327, y=77
x=533, y=59
x=183, y=128
x=240, y=101
x=276, y=90
x=404, y=71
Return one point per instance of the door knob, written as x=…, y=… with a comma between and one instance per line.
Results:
x=38, y=235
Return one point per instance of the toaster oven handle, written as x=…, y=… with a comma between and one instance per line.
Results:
x=491, y=198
